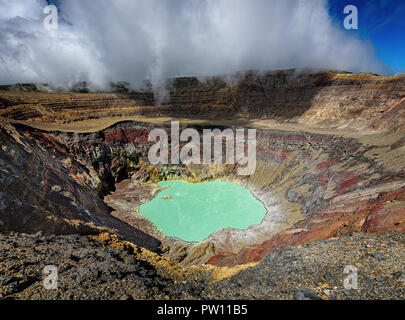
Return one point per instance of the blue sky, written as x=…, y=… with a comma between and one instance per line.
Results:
x=382, y=22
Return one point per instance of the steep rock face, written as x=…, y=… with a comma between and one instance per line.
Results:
x=322, y=98
x=42, y=188
x=45, y=189
x=113, y=153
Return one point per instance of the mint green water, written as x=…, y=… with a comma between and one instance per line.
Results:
x=196, y=210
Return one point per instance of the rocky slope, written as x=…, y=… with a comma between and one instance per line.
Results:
x=87, y=269
x=330, y=151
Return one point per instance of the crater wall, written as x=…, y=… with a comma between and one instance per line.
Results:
x=330, y=159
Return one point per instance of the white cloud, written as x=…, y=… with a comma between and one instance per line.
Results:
x=102, y=40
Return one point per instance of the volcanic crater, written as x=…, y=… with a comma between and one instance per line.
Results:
x=330, y=162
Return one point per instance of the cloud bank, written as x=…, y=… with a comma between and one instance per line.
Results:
x=99, y=41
